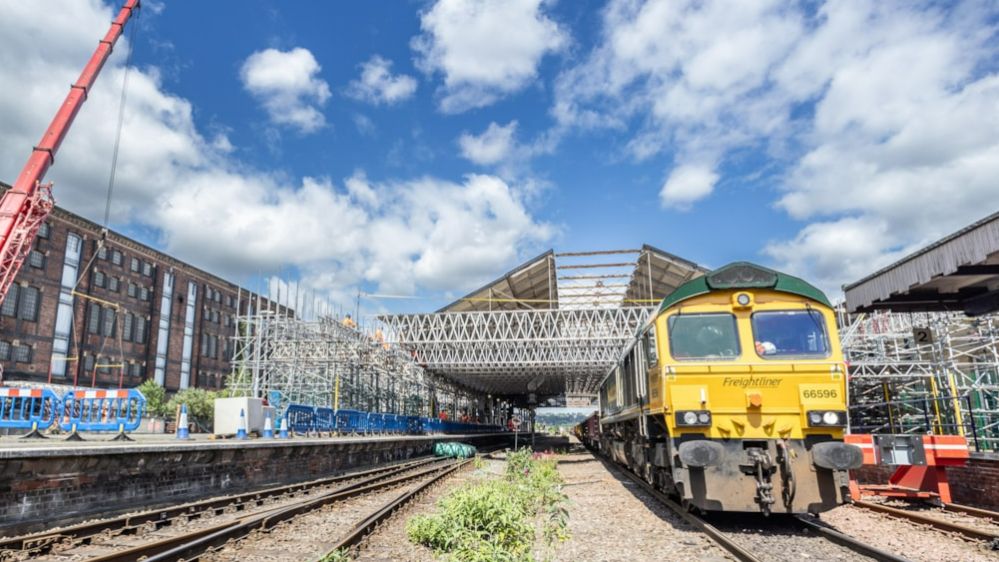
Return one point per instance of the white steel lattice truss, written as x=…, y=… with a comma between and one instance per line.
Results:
x=947, y=382
x=546, y=351
x=324, y=363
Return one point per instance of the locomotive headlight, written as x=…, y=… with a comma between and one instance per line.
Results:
x=693, y=418
x=826, y=418
x=742, y=300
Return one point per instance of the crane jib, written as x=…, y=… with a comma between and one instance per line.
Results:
x=24, y=207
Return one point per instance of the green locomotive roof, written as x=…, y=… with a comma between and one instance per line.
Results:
x=743, y=275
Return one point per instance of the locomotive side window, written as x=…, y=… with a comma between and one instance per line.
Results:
x=703, y=336
x=790, y=333
x=651, y=351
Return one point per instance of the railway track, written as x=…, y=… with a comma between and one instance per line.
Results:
x=940, y=518
x=206, y=521
x=754, y=539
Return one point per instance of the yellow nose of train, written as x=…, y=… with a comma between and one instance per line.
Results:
x=734, y=396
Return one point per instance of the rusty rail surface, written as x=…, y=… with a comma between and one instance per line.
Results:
x=971, y=532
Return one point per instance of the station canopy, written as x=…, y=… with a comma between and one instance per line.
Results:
x=553, y=325
x=958, y=273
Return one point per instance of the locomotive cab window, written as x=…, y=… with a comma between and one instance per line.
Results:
x=703, y=336
x=790, y=333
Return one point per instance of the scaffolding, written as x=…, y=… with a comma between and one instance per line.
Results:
x=323, y=362
x=545, y=351
x=927, y=372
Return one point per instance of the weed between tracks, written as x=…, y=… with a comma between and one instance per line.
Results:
x=498, y=519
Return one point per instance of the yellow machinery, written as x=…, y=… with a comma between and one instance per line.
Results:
x=734, y=396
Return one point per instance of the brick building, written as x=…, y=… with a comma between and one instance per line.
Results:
x=121, y=314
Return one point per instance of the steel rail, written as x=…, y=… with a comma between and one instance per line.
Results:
x=39, y=543
x=976, y=511
x=193, y=549
x=737, y=550
x=849, y=542
x=364, y=528
x=719, y=537
x=971, y=532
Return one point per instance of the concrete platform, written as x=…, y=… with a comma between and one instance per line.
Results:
x=12, y=447
x=47, y=483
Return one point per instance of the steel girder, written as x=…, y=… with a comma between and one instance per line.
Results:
x=544, y=351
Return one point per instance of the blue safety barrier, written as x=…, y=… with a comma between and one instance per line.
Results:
x=28, y=408
x=414, y=425
x=396, y=423
x=305, y=419
x=324, y=420
x=101, y=410
x=376, y=423
x=351, y=422
x=300, y=418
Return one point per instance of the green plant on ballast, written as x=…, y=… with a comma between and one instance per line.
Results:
x=156, y=402
x=496, y=519
x=338, y=555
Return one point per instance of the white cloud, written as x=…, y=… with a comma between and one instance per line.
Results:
x=494, y=145
x=484, y=49
x=378, y=85
x=687, y=184
x=287, y=83
x=209, y=208
x=882, y=114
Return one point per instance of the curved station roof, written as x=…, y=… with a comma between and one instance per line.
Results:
x=552, y=325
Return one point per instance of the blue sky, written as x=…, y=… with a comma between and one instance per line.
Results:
x=423, y=148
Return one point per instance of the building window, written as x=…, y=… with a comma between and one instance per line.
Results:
x=108, y=329
x=135, y=370
x=143, y=293
x=133, y=290
x=43, y=230
x=102, y=365
x=28, y=304
x=135, y=265
x=99, y=279
x=94, y=318
x=140, y=330
x=36, y=259
x=9, y=307
x=102, y=252
x=147, y=269
x=116, y=257
x=5, y=350
x=88, y=363
x=113, y=284
x=22, y=353
x=127, y=322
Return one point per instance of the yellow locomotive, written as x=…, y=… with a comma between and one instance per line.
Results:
x=734, y=396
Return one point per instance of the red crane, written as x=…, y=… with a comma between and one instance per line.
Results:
x=24, y=207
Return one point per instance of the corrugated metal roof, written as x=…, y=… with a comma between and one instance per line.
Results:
x=528, y=286
x=970, y=246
